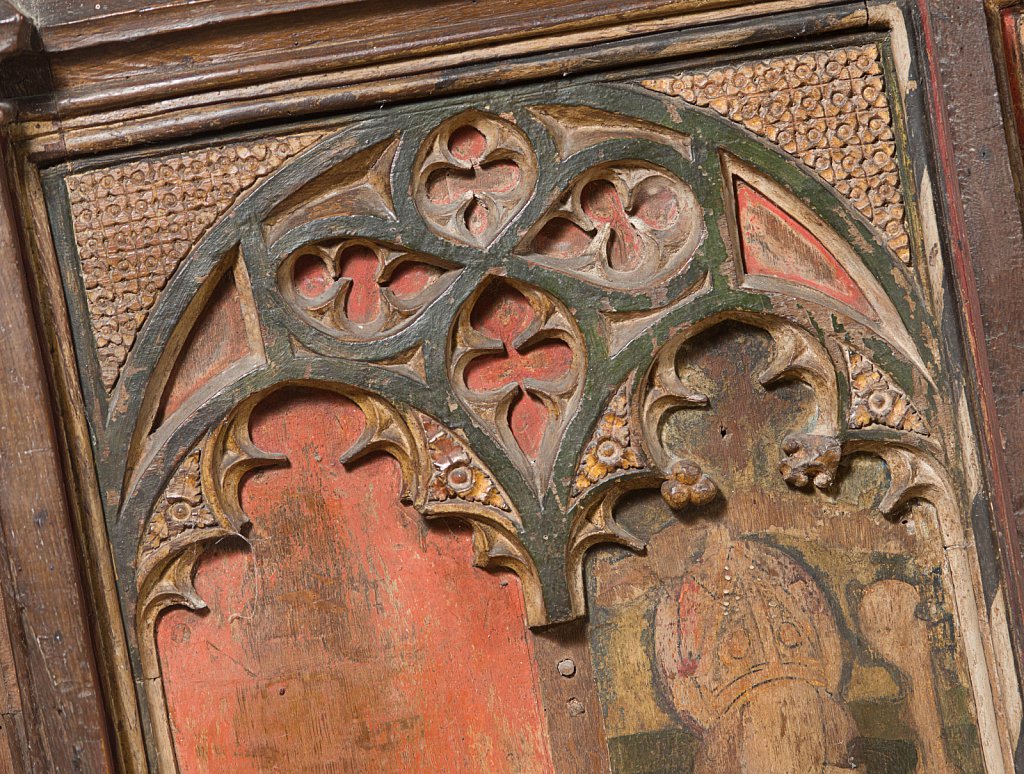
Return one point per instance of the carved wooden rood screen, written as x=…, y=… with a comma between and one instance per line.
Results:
x=667, y=353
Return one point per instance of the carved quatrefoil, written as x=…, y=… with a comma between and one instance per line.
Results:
x=621, y=224
x=362, y=289
x=475, y=172
x=518, y=362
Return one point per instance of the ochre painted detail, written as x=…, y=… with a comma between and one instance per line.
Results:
x=877, y=401
x=181, y=508
x=895, y=631
x=776, y=245
x=135, y=222
x=611, y=448
x=454, y=472
x=827, y=108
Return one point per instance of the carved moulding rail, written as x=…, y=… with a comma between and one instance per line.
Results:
x=504, y=294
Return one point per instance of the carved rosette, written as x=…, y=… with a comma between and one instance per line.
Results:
x=620, y=224
x=876, y=401
x=473, y=174
x=360, y=289
x=180, y=511
x=611, y=449
x=455, y=473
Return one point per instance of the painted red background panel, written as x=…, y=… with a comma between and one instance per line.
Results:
x=351, y=637
x=777, y=245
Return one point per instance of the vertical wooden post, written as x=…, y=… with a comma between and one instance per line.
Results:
x=987, y=238
x=65, y=726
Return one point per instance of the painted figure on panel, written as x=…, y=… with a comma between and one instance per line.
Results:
x=775, y=629
x=750, y=654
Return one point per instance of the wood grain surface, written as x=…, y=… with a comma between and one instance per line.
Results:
x=61, y=715
x=987, y=241
x=347, y=633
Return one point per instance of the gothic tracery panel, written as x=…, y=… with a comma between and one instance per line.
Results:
x=677, y=390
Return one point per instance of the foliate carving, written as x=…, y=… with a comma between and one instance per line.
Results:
x=625, y=223
x=518, y=363
x=359, y=289
x=810, y=458
x=875, y=401
x=473, y=174
x=181, y=508
x=796, y=356
x=611, y=448
x=189, y=514
x=134, y=223
x=688, y=485
x=829, y=109
x=455, y=474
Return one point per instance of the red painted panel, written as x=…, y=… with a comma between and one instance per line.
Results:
x=776, y=245
x=360, y=265
x=350, y=637
x=217, y=340
x=504, y=314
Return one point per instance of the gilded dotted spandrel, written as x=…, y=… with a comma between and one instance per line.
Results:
x=829, y=109
x=134, y=223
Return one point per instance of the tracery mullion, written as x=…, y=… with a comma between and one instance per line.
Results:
x=202, y=261
x=118, y=427
x=430, y=330
x=454, y=415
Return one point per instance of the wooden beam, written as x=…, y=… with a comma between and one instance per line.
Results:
x=64, y=719
x=15, y=31
x=987, y=240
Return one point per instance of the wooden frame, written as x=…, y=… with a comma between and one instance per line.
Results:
x=77, y=109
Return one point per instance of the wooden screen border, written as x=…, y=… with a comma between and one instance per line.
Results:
x=969, y=224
